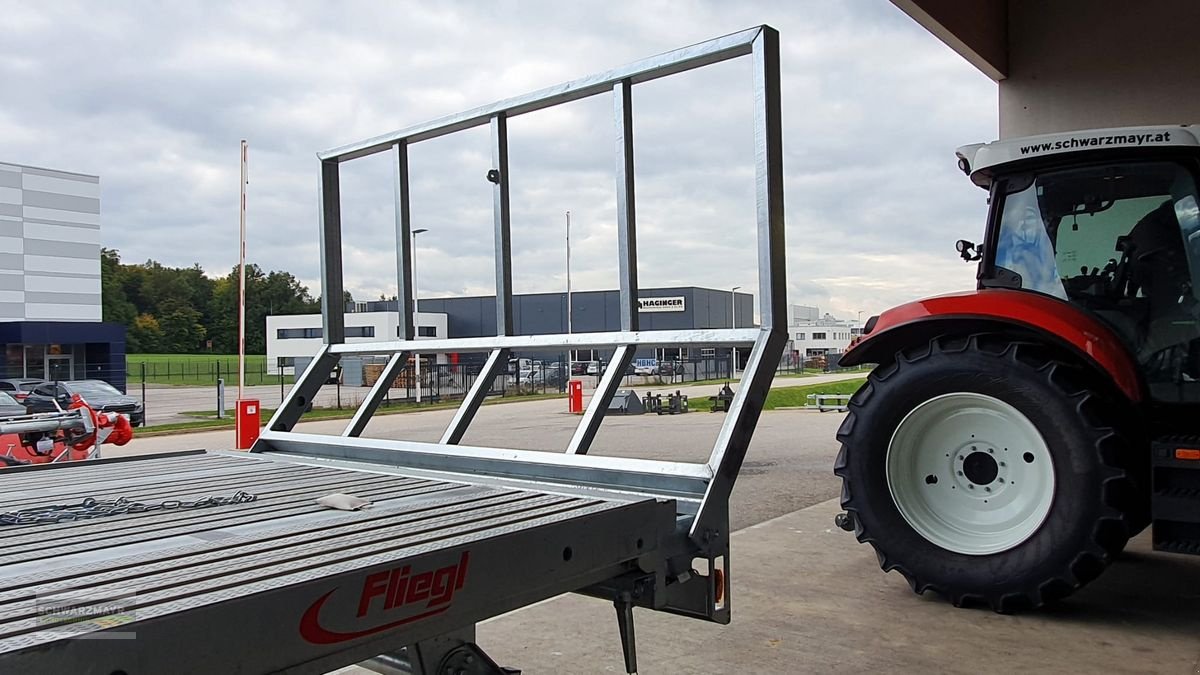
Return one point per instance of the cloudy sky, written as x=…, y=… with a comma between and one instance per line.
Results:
x=154, y=97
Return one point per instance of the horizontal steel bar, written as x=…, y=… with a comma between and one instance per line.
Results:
x=645, y=338
x=643, y=476
x=677, y=61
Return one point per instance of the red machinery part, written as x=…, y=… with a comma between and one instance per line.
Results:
x=1082, y=332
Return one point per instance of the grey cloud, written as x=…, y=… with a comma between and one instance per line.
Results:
x=154, y=98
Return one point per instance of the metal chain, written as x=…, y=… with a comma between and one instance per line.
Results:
x=96, y=508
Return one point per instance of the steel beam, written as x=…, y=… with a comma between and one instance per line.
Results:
x=370, y=404
x=501, y=216
x=626, y=206
x=669, y=63
x=300, y=397
x=646, y=338
x=496, y=362
x=333, y=307
x=598, y=406
x=733, y=440
x=768, y=176
x=681, y=480
x=405, y=284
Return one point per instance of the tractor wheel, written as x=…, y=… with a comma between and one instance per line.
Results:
x=982, y=469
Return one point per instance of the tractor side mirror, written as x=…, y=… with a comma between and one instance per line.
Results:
x=968, y=252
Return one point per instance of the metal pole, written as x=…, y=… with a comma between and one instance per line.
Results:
x=242, y=278
x=570, y=352
x=733, y=324
x=416, y=313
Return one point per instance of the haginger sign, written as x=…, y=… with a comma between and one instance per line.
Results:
x=671, y=304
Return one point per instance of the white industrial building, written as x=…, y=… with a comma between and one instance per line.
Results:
x=815, y=334
x=50, y=309
x=300, y=335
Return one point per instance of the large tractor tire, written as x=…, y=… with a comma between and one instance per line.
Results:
x=984, y=470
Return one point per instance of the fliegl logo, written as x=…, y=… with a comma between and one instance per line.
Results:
x=387, y=599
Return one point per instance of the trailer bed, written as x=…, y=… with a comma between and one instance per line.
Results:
x=282, y=583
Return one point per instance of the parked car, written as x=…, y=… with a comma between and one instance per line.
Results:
x=19, y=387
x=9, y=406
x=98, y=394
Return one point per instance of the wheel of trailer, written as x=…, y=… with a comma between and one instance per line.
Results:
x=982, y=469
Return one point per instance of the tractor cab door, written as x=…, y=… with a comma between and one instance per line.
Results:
x=1121, y=241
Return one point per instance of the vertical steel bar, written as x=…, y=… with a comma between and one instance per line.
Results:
x=371, y=403
x=734, y=438
x=404, y=281
x=768, y=170
x=333, y=306
x=590, y=424
x=503, y=240
x=626, y=205
x=496, y=363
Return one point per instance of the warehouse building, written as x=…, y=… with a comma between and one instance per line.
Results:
x=291, y=337
x=50, y=311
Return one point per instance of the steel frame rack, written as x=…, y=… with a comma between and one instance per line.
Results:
x=531, y=525
x=702, y=489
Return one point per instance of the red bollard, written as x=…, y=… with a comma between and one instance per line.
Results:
x=575, y=397
x=247, y=422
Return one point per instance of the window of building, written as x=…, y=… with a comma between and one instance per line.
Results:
x=818, y=336
x=427, y=331
x=298, y=333
x=360, y=331
x=799, y=336
x=708, y=352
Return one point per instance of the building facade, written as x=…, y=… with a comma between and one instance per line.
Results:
x=815, y=335
x=50, y=309
x=533, y=314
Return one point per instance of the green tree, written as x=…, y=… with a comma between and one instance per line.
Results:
x=115, y=305
x=145, y=336
x=182, y=330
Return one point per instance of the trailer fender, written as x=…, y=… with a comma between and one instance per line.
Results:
x=999, y=310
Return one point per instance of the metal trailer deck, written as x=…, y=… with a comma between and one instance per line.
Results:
x=455, y=534
x=281, y=582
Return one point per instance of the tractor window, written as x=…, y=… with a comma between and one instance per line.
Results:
x=1024, y=246
x=1123, y=241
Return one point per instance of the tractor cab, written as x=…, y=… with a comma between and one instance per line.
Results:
x=1113, y=229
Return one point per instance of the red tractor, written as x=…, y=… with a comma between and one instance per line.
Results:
x=1011, y=439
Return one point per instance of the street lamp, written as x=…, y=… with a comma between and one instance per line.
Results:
x=570, y=352
x=733, y=324
x=416, y=312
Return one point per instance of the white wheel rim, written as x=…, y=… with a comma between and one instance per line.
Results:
x=970, y=473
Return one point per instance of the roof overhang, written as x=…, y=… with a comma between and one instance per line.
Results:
x=977, y=30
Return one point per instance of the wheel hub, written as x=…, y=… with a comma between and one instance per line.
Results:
x=970, y=473
x=980, y=468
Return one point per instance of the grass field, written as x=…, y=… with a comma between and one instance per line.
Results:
x=197, y=369
x=794, y=397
